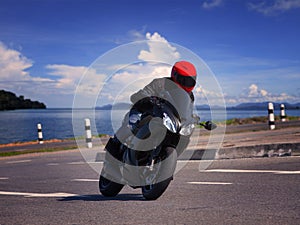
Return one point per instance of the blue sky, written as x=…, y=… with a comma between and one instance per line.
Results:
x=251, y=46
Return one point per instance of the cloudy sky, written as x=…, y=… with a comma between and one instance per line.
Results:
x=252, y=46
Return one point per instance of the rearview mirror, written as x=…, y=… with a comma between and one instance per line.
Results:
x=209, y=125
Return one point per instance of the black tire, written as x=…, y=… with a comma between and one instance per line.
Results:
x=109, y=188
x=154, y=191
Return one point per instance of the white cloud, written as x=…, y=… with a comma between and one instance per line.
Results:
x=13, y=65
x=263, y=93
x=209, y=95
x=137, y=35
x=256, y=94
x=277, y=6
x=14, y=77
x=236, y=72
x=69, y=76
x=212, y=4
x=160, y=50
x=62, y=80
x=132, y=35
x=132, y=78
x=205, y=93
x=123, y=79
x=157, y=56
x=253, y=91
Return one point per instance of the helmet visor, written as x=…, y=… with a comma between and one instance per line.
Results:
x=186, y=81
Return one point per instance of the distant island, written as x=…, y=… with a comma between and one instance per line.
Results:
x=117, y=106
x=9, y=101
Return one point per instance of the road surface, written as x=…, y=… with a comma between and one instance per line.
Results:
x=61, y=188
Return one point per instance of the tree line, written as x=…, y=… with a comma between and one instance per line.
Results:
x=9, y=101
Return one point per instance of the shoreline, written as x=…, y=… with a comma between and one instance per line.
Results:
x=230, y=123
x=12, y=149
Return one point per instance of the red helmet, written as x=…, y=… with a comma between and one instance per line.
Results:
x=184, y=74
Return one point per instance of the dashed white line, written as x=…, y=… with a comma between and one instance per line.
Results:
x=43, y=195
x=100, y=162
x=86, y=180
x=77, y=163
x=4, y=178
x=209, y=183
x=252, y=171
x=287, y=172
x=19, y=161
x=52, y=164
x=83, y=162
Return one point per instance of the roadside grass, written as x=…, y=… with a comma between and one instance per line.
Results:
x=15, y=153
x=257, y=119
x=45, y=148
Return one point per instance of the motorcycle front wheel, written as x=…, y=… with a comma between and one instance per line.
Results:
x=109, y=188
x=154, y=191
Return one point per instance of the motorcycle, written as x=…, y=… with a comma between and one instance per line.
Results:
x=147, y=158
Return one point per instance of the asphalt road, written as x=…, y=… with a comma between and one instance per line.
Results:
x=61, y=188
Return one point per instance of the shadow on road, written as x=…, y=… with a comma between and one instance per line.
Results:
x=120, y=197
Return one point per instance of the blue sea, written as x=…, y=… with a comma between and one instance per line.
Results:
x=21, y=125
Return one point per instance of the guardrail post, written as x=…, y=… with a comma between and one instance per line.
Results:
x=88, y=133
x=40, y=133
x=271, y=116
x=282, y=113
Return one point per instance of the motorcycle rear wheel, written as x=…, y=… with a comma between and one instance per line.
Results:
x=109, y=188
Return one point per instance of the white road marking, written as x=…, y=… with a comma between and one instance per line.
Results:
x=209, y=183
x=77, y=163
x=252, y=171
x=100, y=162
x=19, y=161
x=83, y=162
x=188, y=161
x=3, y=178
x=43, y=195
x=52, y=164
x=86, y=180
x=287, y=172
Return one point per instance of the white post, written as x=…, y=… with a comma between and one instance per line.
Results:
x=88, y=132
x=271, y=116
x=282, y=113
x=40, y=133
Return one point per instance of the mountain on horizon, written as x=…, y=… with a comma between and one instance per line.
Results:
x=264, y=105
x=242, y=106
x=117, y=106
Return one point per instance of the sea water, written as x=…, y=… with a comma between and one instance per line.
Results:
x=21, y=125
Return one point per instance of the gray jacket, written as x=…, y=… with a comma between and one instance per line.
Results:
x=167, y=89
x=158, y=87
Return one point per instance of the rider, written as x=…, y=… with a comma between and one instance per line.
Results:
x=183, y=74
